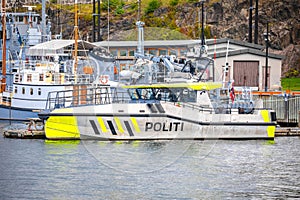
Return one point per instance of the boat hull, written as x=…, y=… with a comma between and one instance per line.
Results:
x=16, y=114
x=111, y=122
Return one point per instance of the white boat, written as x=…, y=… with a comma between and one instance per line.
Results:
x=166, y=111
x=53, y=65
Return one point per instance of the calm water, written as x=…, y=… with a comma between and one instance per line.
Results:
x=40, y=169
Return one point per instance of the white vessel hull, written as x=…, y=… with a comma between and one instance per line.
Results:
x=163, y=121
x=16, y=114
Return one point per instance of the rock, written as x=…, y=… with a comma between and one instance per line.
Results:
x=226, y=18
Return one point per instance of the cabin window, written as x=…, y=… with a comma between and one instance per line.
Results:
x=21, y=18
x=16, y=89
x=29, y=77
x=133, y=94
x=187, y=95
x=6, y=99
x=21, y=78
x=39, y=91
x=17, y=78
x=23, y=90
x=41, y=77
x=31, y=91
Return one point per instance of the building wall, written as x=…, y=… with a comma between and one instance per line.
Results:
x=275, y=68
x=238, y=51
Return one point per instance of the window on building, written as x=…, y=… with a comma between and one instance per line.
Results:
x=183, y=52
x=23, y=90
x=153, y=52
x=16, y=90
x=131, y=52
x=39, y=91
x=114, y=52
x=31, y=91
x=123, y=52
x=162, y=52
x=173, y=52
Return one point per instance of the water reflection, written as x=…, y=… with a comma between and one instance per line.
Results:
x=145, y=156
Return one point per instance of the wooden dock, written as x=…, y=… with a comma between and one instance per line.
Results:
x=24, y=134
x=287, y=131
x=34, y=129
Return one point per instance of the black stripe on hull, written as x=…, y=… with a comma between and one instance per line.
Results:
x=151, y=107
x=94, y=126
x=160, y=108
x=128, y=128
x=111, y=127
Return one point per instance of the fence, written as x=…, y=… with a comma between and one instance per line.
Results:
x=287, y=108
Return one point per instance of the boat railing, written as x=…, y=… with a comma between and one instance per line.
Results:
x=199, y=108
x=87, y=96
x=222, y=108
x=79, y=78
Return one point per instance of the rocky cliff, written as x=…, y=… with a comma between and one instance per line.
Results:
x=224, y=18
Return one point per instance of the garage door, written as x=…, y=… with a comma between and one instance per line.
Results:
x=245, y=73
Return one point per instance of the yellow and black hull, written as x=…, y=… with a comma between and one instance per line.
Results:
x=169, y=121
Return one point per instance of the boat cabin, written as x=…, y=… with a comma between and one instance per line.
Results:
x=194, y=93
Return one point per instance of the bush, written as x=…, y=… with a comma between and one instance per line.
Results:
x=152, y=6
x=174, y=2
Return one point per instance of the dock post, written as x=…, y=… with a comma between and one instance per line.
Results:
x=299, y=118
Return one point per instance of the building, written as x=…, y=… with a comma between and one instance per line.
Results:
x=246, y=61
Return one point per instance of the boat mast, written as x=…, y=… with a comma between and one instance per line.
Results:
x=76, y=38
x=44, y=38
x=3, y=80
x=140, y=24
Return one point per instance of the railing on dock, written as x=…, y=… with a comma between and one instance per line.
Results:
x=287, y=108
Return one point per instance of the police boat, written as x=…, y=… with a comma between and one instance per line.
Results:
x=163, y=111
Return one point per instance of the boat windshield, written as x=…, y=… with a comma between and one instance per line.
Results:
x=162, y=94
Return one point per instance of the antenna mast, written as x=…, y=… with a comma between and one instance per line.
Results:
x=3, y=79
x=140, y=24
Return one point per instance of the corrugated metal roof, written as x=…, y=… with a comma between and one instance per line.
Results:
x=56, y=46
x=148, y=43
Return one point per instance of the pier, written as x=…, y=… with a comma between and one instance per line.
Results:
x=34, y=129
x=287, y=131
x=286, y=106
